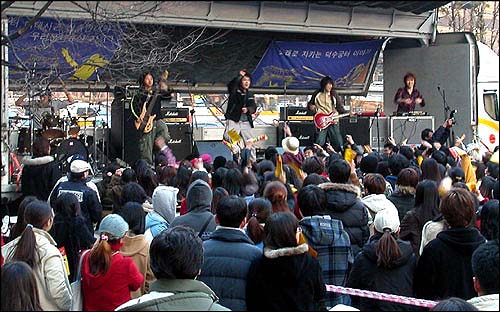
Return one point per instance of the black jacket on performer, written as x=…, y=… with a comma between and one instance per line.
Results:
x=39, y=176
x=239, y=99
x=444, y=268
x=398, y=280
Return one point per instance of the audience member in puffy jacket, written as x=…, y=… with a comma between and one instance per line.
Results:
x=386, y=264
x=326, y=237
x=287, y=277
x=444, y=267
x=40, y=172
x=199, y=216
x=228, y=254
x=344, y=203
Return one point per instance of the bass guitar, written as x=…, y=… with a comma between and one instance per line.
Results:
x=322, y=121
x=145, y=121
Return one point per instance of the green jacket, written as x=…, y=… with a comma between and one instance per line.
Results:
x=188, y=295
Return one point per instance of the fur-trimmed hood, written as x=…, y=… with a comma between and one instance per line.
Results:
x=405, y=190
x=37, y=161
x=288, y=251
x=341, y=197
x=328, y=186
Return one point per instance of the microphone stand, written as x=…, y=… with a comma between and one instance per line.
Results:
x=194, y=124
x=446, y=109
x=377, y=113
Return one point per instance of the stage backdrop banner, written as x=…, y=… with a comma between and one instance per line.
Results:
x=70, y=48
x=301, y=65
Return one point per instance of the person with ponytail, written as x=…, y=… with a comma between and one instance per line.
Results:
x=276, y=193
x=385, y=264
x=259, y=210
x=38, y=249
x=107, y=276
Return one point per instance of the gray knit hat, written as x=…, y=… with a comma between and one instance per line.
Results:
x=114, y=225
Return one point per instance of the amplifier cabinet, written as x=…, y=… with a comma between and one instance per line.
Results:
x=364, y=130
x=410, y=128
x=304, y=131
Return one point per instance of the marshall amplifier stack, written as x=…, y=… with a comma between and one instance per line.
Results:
x=180, y=130
x=300, y=121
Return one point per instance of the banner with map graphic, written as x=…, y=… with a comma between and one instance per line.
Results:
x=301, y=65
x=75, y=49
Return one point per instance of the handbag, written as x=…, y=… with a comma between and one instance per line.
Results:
x=76, y=287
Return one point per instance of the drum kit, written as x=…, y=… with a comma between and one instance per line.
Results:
x=66, y=137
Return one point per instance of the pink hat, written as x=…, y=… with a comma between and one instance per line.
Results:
x=195, y=160
x=206, y=158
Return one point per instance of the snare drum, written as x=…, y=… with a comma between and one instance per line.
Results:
x=52, y=127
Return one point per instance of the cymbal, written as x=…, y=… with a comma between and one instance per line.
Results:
x=53, y=133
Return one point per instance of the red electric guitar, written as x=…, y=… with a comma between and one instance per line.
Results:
x=322, y=121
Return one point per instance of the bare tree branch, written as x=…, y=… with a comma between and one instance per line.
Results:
x=35, y=18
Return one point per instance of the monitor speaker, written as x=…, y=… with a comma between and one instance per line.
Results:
x=214, y=149
x=410, y=128
x=364, y=130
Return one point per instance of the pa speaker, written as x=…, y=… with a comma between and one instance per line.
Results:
x=304, y=131
x=214, y=149
x=364, y=130
x=410, y=128
x=180, y=140
x=123, y=130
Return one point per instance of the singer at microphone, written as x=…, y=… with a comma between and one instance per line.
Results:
x=408, y=97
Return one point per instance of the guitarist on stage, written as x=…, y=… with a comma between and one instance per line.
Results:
x=146, y=110
x=240, y=108
x=325, y=100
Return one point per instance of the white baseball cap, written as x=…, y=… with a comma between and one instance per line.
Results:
x=386, y=219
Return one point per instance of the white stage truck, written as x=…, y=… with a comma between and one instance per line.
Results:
x=455, y=74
